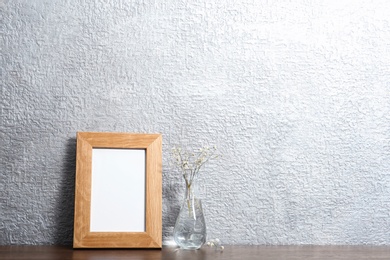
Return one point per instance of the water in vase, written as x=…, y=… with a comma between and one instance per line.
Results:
x=190, y=227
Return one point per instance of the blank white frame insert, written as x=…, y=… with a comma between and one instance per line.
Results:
x=118, y=190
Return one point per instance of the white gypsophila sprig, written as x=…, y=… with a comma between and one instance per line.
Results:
x=191, y=162
x=216, y=243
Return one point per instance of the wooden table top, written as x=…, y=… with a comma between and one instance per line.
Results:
x=230, y=252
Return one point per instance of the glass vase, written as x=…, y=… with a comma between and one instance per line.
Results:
x=190, y=228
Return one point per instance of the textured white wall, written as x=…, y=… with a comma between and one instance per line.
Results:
x=296, y=95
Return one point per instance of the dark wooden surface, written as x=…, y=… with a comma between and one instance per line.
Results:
x=230, y=252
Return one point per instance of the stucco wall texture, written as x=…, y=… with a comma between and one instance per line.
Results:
x=295, y=95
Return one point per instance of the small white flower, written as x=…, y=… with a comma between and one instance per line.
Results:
x=191, y=162
x=216, y=243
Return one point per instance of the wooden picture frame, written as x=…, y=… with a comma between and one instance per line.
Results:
x=94, y=149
